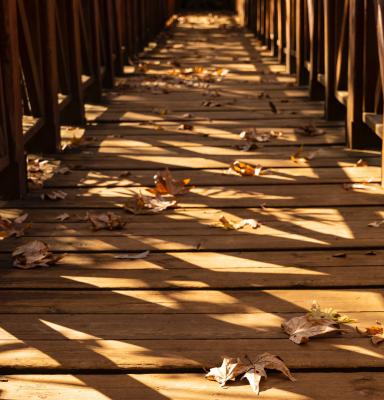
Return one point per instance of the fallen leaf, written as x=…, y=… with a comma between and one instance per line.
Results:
x=15, y=227
x=232, y=368
x=229, y=370
x=276, y=134
x=272, y=106
x=143, y=204
x=328, y=313
x=376, y=224
x=263, y=362
x=185, y=127
x=54, y=195
x=316, y=322
x=252, y=136
x=375, y=332
x=125, y=174
x=227, y=224
x=362, y=185
x=339, y=255
x=34, y=254
x=109, y=220
x=361, y=163
x=165, y=183
x=62, y=217
x=310, y=130
x=244, y=169
x=138, y=256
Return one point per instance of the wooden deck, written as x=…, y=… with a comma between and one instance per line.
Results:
x=98, y=327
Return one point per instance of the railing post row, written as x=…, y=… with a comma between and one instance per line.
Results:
x=54, y=56
x=333, y=48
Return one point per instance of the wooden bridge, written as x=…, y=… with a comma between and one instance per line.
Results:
x=97, y=97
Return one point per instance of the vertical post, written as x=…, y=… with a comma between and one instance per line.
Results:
x=358, y=134
x=315, y=91
x=301, y=74
x=289, y=60
x=95, y=91
x=50, y=135
x=13, y=177
x=280, y=31
x=333, y=109
x=74, y=113
x=379, y=16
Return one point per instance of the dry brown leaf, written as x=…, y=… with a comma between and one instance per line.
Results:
x=40, y=171
x=34, y=254
x=376, y=224
x=232, y=368
x=165, y=183
x=227, y=224
x=315, y=323
x=276, y=134
x=272, y=107
x=361, y=185
x=375, y=332
x=300, y=329
x=252, y=136
x=185, y=127
x=109, y=221
x=54, y=195
x=263, y=362
x=244, y=169
x=125, y=174
x=142, y=204
x=310, y=130
x=229, y=370
x=62, y=217
x=15, y=227
x=361, y=163
x=129, y=256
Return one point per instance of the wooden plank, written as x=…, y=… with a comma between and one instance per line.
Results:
x=206, y=216
x=208, y=176
x=309, y=195
x=288, y=269
x=176, y=386
x=363, y=302
x=141, y=355
x=166, y=327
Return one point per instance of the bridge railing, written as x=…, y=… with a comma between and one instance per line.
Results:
x=334, y=47
x=55, y=55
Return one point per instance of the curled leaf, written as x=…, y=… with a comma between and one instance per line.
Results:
x=310, y=130
x=54, y=195
x=165, y=183
x=15, y=227
x=375, y=332
x=109, y=220
x=142, y=204
x=376, y=224
x=34, y=254
x=244, y=169
x=229, y=370
x=62, y=217
x=315, y=323
x=129, y=256
x=185, y=127
x=239, y=225
x=361, y=163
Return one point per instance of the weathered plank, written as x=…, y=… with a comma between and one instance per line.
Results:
x=365, y=302
x=353, y=385
x=310, y=195
x=206, y=177
x=92, y=353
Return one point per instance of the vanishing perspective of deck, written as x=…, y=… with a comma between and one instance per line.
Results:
x=99, y=326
